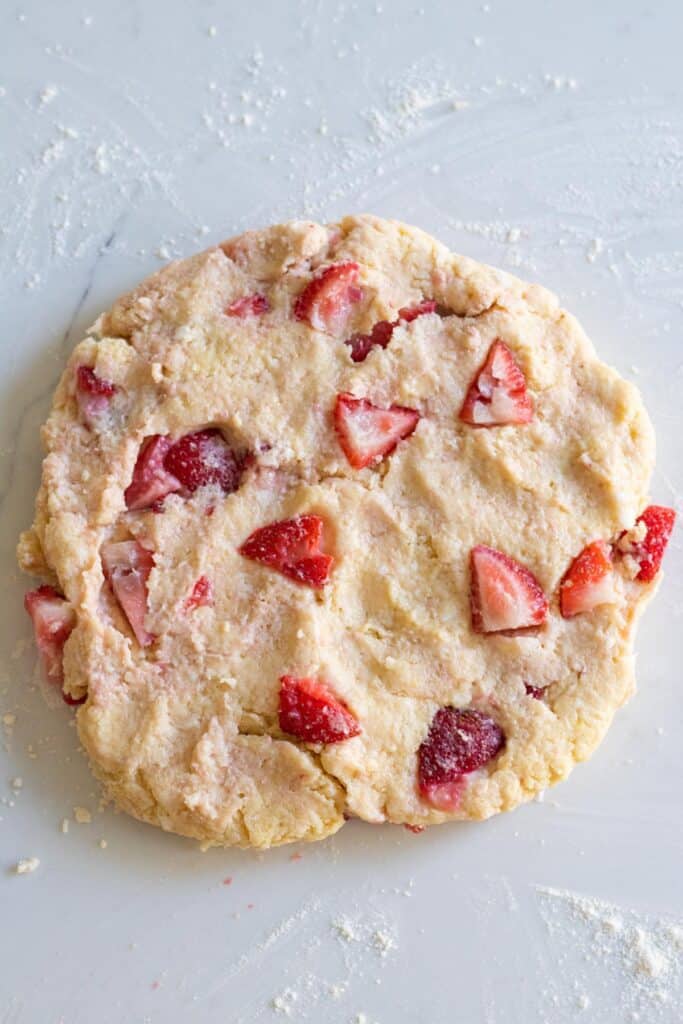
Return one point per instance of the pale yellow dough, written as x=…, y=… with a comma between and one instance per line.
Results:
x=184, y=734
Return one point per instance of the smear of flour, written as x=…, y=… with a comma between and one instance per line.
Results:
x=637, y=955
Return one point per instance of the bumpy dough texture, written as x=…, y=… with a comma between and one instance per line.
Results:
x=184, y=734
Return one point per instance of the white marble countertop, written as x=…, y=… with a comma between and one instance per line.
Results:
x=541, y=136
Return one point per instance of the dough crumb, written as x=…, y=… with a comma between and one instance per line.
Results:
x=26, y=865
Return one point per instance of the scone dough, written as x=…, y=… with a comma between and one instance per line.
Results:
x=184, y=733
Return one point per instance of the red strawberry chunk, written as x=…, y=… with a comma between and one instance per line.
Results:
x=151, y=481
x=410, y=313
x=53, y=620
x=203, y=458
x=536, y=692
x=504, y=595
x=367, y=432
x=648, y=553
x=292, y=546
x=202, y=594
x=498, y=393
x=248, y=305
x=381, y=333
x=459, y=741
x=93, y=393
x=310, y=711
x=127, y=566
x=326, y=301
x=362, y=344
x=589, y=581
x=196, y=460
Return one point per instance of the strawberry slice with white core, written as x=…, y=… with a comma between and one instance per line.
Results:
x=53, y=620
x=292, y=547
x=498, y=394
x=311, y=711
x=589, y=581
x=649, y=552
x=459, y=741
x=201, y=596
x=379, y=337
x=367, y=432
x=504, y=595
x=151, y=481
x=127, y=565
x=248, y=305
x=93, y=394
x=203, y=458
x=326, y=301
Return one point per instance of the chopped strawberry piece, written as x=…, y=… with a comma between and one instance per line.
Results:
x=248, y=305
x=310, y=711
x=326, y=301
x=93, y=393
x=164, y=466
x=537, y=692
x=197, y=460
x=459, y=741
x=498, y=393
x=362, y=344
x=415, y=829
x=410, y=313
x=382, y=331
x=589, y=581
x=648, y=553
x=151, y=481
x=292, y=546
x=504, y=595
x=202, y=594
x=73, y=702
x=127, y=566
x=53, y=621
x=366, y=432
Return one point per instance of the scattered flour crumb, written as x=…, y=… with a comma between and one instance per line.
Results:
x=594, y=249
x=103, y=844
x=48, y=94
x=65, y=825
x=82, y=816
x=26, y=865
x=383, y=942
x=17, y=782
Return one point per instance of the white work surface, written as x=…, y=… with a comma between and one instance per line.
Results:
x=544, y=137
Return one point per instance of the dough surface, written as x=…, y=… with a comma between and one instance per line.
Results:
x=184, y=732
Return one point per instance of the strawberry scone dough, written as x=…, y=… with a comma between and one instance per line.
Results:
x=336, y=523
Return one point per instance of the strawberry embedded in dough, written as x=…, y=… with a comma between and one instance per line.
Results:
x=93, y=394
x=292, y=547
x=504, y=595
x=367, y=432
x=326, y=301
x=53, y=621
x=127, y=565
x=459, y=741
x=498, y=394
x=203, y=458
x=310, y=711
x=648, y=552
x=379, y=337
x=248, y=306
x=589, y=581
x=196, y=460
x=537, y=692
x=201, y=596
x=151, y=482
